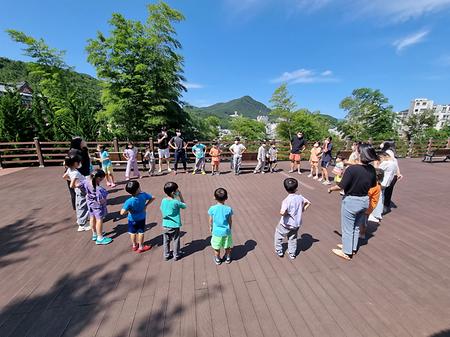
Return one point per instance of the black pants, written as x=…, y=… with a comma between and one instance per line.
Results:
x=180, y=155
x=72, y=195
x=388, y=193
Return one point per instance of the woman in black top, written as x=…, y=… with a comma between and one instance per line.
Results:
x=356, y=182
x=78, y=147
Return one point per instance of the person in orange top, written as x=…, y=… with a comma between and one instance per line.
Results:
x=316, y=153
x=374, y=196
x=215, y=159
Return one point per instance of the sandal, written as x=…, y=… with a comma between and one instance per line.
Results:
x=341, y=254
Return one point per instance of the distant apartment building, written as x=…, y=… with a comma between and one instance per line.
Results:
x=271, y=127
x=23, y=88
x=420, y=105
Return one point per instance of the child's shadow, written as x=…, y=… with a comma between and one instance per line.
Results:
x=304, y=243
x=157, y=241
x=196, y=246
x=118, y=200
x=123, y=228
x=240, y=251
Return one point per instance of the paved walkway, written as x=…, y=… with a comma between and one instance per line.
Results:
x=56, y=282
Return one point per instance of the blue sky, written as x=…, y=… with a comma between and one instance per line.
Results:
x=323, y=48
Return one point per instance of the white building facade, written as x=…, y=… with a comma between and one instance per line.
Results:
x=420, y=105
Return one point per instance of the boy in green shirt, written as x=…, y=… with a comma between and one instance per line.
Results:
x=171, y=220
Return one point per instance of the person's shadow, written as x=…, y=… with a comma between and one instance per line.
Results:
x=157, y=241
x=120, y=229
x=196, y=246
x=240, y=251
x=304, y=242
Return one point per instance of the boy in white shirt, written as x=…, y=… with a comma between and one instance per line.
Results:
x=237, y=150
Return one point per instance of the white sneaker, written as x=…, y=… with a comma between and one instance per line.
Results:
x=169, y=170
x=320, y=179
x=87, y=228
x=309, y=175
x=159, y=171
x=299, y=172
x=291, y=171
x=80, y=229
x=373, y=219
x=315, y=178
x=326, y=182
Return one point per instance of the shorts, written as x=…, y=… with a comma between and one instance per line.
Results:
x=108, y=169
x=136, y=227
x=324, y=163
x=164, y=153
x=215, y=161
x=218, y=242
x=294, y=157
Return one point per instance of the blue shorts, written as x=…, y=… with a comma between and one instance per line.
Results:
x=324, y=163
x=136, y=227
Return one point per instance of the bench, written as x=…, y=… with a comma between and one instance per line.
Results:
x=442, y=154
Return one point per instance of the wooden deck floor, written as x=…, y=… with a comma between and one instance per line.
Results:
x=56, y=282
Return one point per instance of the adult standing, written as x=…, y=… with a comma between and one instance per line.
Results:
x=354, y=156
x=163, y=149
x=389, y=148
x=297, y=146
x=78, y=148
x=356, y=182
x=326, y=159
x=179, y=145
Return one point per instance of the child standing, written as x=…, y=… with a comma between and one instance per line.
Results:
x=171, y=220
x=199, y=152
x=316, y=153
x=215, y=159
x=272, y=155
x=220, y=221
x=136, y=208
x=96, y=201
x=130, y=154
x=338, y=170
x=262, y=154
x=374, y=195
x=149, y=158
x=291, y=212
x=106, y=165
x=237, y=150
x=76, y=178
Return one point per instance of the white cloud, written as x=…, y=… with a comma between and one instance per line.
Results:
x=410, y=40
x=305, y=76
x=189, y=85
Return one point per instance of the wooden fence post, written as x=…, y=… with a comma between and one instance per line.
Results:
x=409, y=154
x=150, y=143
x=37, y=145
x=116, y=144
x=448, y=147
x=1, y=167
x=430, y=145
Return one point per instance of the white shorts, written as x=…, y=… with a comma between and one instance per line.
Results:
x=164, y=153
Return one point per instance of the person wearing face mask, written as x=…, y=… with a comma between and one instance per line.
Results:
x=298, y=144
x=179, y=146
x=78, y=148
x=163, y=149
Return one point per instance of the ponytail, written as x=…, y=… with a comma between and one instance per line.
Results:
x=94, y=176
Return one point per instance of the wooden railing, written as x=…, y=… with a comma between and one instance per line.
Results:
x=44, y=153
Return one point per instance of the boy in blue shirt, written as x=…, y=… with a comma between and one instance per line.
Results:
x=220, y=221
x=199, y=152
x=171, y=220
x=136, y=207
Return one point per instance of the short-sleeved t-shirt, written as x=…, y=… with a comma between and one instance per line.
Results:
x=221, y=215
x=292, y=205
x=136, y=206
x=103, y=156
x=178, y=142
x=297, y=144
x=164, y=143
x=170, y=210
x=199, y=150
x=326, y=157
x=358, y=179
x=237, y=149
x=273, y=153
x=315, y=151
x=214, y=153
x=75, y=174
x=131, y=153
x=390, y=170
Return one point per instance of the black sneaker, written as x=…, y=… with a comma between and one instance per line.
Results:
x=217, y=260
x=167, y=258
x=179, y=256
x=292, y=256
x=280, y=253
x=228, y=259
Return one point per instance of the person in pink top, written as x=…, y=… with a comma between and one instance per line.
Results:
x=130, y=154
x=316, y=153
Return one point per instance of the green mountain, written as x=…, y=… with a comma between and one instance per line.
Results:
x=245, y=106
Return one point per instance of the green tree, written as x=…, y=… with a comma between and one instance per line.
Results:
x=416, y=124
x=282, y=108
x=142, y=72
x=202, y=128
x=369, y=115
x=14, y=117
x=247, y=128
x=313, y=125
x=72, y=100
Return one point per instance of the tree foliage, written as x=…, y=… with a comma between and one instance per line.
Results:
x=314, y=126
x=417, y=124
x=283, y=107
x=369, y=115
x=142, y=72
x=247, y=128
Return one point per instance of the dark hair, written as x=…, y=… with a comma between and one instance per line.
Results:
x=263, y=142
x=163, y=128
x=170, y=188
x=380, y=174
x=75, y=143
x=195, y=140
x=367, y=153
x=177, y=130
x=132, y=187
x=221, y=194
x=388, y=145
x=341, y=157
x=330, y=138
x=384, y=154
x=94, y=176
x=70, y=161
x=237, y=138
x=290, y=184
x=102, y=147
